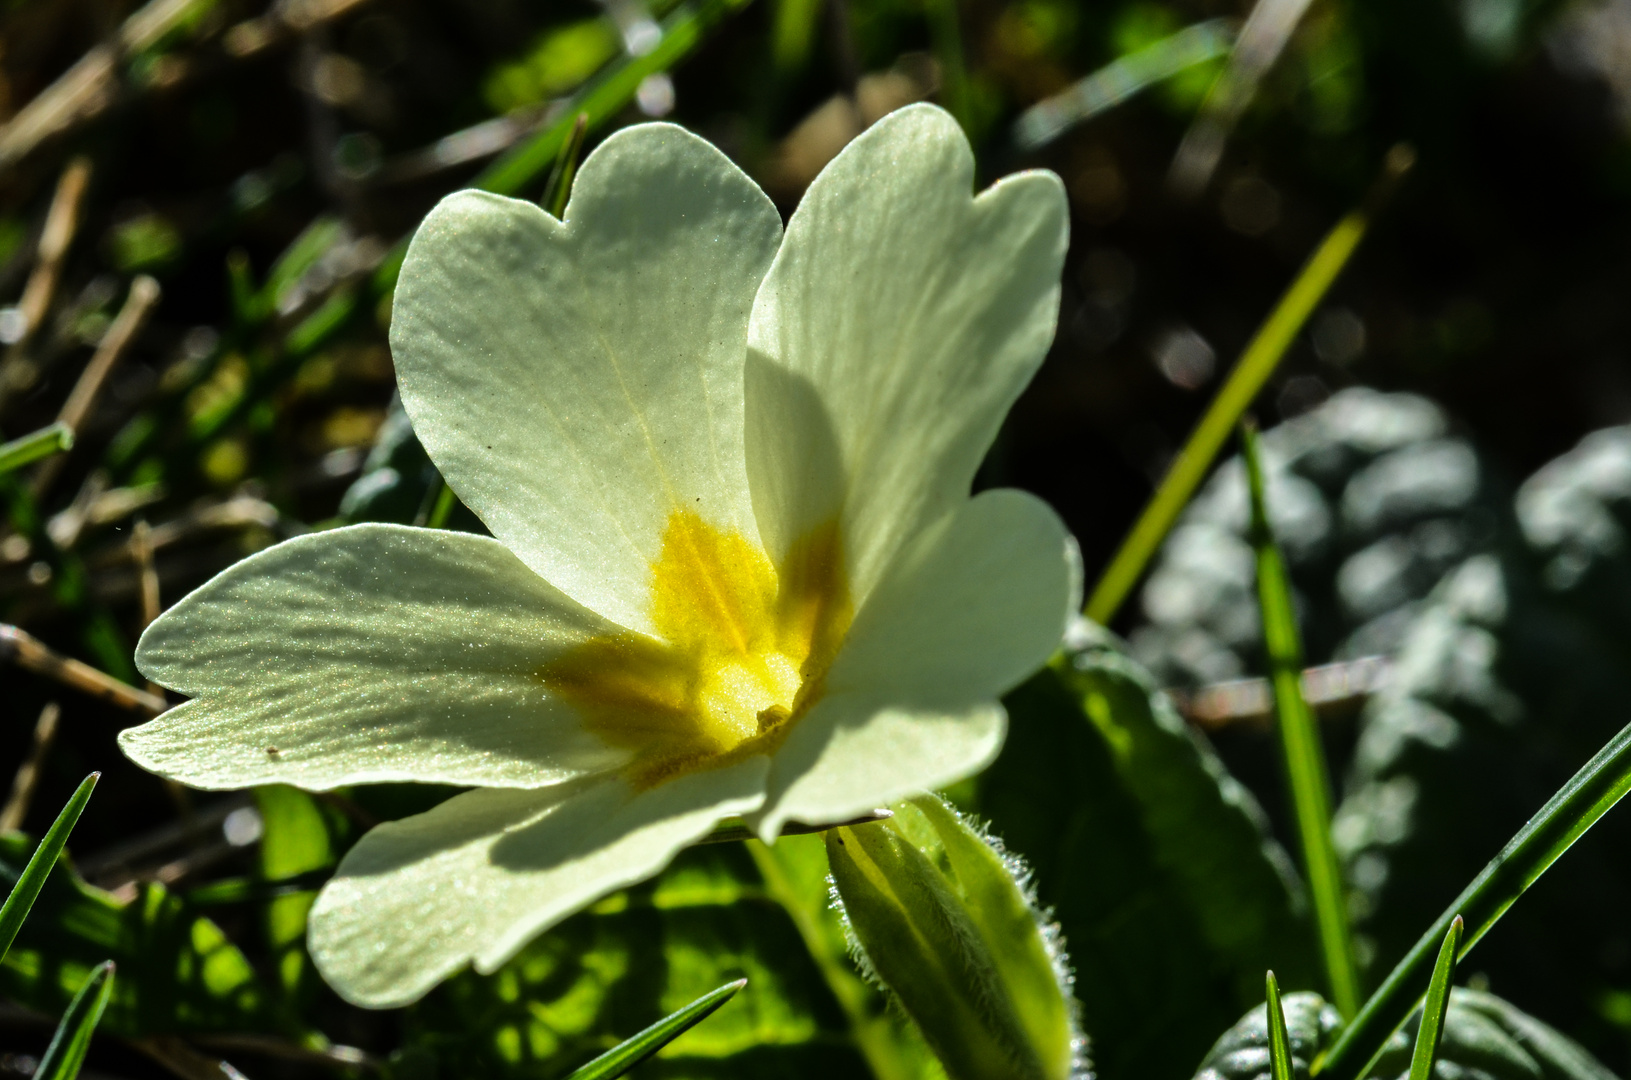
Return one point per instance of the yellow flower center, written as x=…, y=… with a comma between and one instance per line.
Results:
x=743, y=648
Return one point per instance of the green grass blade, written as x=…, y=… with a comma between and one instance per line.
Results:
x=1257, y=363
x=1436, y=1005
x=32, y=879
x=559, y=187
x=34, y=446
x=606, y=95
x=72, y=1040
x=1306, y=774
x=1279, y=1039
x=1576, y=807
x=631, y=1052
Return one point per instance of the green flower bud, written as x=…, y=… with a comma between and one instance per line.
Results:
x=944, y=919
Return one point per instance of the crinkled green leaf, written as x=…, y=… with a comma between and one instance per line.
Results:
x=1172, y=899
x=185, y=975
x=1242, y=1052
x=1486, y=1038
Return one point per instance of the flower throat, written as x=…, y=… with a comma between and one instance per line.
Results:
x=744, y=646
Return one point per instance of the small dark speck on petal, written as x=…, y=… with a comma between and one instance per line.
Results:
x=271, y=751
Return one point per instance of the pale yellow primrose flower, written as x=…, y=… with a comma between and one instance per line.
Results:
x=736, y=568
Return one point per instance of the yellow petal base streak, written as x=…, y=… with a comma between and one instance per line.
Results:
x=744, y=645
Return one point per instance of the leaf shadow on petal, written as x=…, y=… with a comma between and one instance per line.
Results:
x=461, y=820
x=795, y=467
x=601, y=815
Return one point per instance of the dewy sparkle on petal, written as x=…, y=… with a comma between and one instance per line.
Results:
x=735, y=569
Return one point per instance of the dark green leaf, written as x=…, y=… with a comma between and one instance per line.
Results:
x=27, y=885
x=629, y=1053
x=712, y=917
x=72, y=1040
x=1307, y=779
x=295, y=841
x=192, y=979
x=1171, y=896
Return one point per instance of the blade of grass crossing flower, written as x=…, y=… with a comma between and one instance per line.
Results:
x=631, y=1052
x=34, y=446
x=1279, y=1038
x=72, y=1040
x=1262, y=356
x=559, y=187
x=1304, y=757
x=1576, y=807
x=32, y=879
x=1436, y=1005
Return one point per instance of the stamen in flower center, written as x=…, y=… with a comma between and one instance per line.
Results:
x=743, y=648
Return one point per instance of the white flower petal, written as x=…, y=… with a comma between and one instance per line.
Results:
x=899, y=322
x=854, y=753
x=971, y=607
x=376, y=652
x=578, y=383
x=479, y=876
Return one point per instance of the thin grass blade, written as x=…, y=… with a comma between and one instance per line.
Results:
x=34, y=446
x=631, y=1052
x=32, y=879
x=1303, y=755
x=559, y=187
x=1576, y=807
x=1279, y=1038
x=1121, y=79
x=1262, y=356
x=1436, y=1005
x=72, y=1040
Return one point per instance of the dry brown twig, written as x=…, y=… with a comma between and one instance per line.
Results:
x=97, y=81
x=28, y=773
x=61, y=223
x=139, y=303
x=1329, y=688
x=27, y=651
x=141, y=552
